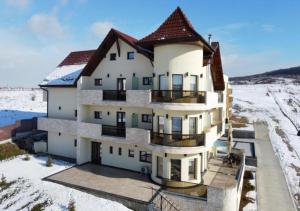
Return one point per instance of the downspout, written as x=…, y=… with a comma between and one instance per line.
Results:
x=47, y=91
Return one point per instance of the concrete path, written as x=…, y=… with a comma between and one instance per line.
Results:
x=273, y=193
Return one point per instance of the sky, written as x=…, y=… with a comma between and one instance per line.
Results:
x=35, y=35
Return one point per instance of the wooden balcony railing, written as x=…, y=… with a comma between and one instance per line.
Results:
x=178, y=96
x=115, y=95
x=113, y=131
x=178, y=140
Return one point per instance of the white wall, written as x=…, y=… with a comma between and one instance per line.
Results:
x=62, y=145
x=120, y=68
x=66, y=99
x=123, y=161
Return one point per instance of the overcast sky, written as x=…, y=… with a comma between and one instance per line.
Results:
x=255, y=36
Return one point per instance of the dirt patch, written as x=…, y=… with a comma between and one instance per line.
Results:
x=280, y=132
x=239, y=121
x=296, y=168
x=247, y=186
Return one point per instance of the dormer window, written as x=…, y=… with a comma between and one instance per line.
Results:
x=113, y=56
x=130, y=55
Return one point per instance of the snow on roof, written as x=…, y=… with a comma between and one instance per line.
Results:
x=63, y=75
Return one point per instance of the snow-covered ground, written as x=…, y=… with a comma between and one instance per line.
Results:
x=29, y=189
x=266, y=102
x=16, y=104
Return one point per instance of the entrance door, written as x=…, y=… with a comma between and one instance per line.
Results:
x=177, y=82
x=177, y=128
x=193, y=83
x=121, y=84
x=96, y=155
x=176, y=169
x=192, y=125
x=121, y=119
x=161, y=124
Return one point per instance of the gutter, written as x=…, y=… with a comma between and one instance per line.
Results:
x=47, y=91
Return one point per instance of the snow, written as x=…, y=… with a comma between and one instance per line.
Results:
x=29, y=176
x=64, y=75
x=16, y=104
x=258, y=102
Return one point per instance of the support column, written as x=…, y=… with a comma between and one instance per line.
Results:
x=83, y=153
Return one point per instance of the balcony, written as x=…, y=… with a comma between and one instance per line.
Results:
x=57, y=125
x=178, y=140
x=114, y=95
x=178, y=96
x=109, y=130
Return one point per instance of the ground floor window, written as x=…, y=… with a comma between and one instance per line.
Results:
x=145, y=156
x=120, y=151
x=110, y=149
x=176, y=169
x=159, y=167
x=192, y=169
x=131, y=153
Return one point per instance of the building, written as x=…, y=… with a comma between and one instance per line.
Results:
x=155, y=105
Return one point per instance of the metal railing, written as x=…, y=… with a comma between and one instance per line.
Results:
x=113, y=131
x=178, y=140
x=161, y=202
x=116, y=95
x=178, y=96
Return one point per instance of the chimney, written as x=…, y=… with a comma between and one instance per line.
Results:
x=209, y=39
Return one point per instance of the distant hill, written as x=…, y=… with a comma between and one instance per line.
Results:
x=269, y=77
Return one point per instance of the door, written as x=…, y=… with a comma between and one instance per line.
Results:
x=135, y=83
x=177, y=128
x=192, y=125
x=121, y=84
x=96, y=153
x=159, y=167
x=177, y=86
x=135, y=120
x=193, y=83
x=121, y=119
x=162, y=82
x=176, y=169
x=161, y=124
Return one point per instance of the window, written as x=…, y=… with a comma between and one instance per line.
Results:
x=192, y=169
x=159, y=167
x=110, y=149
x=98, y=81
x=147, y=81
x=98, y=114
x=131, y=153
x=75, y=142
x=59, y=107
x=130, y=55
x=59, y=133
x=75, y=113
x=145, y=156
x=147, y=118
x=113, y=56
x=120, y=151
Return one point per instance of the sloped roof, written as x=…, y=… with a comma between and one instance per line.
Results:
x=67, y=72
x=77, y=57
x=176, y=28
x=106, y=44
x=217, y=69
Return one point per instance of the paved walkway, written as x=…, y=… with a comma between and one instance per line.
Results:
x=273, y=193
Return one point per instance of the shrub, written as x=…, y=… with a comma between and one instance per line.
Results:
x=71, y=205
x=248, y=175
x=49, y=162
x=9, y=150
x=27, y=157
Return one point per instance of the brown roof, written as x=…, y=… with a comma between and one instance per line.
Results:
x=106, y=44
x=77, y=57
x=176, y=28
x=216, y=68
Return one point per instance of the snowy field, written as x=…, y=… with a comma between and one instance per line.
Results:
x=268, y=102
x=29, y=189
x=16, y=104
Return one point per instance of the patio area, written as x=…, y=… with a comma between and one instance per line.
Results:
x=114, y=181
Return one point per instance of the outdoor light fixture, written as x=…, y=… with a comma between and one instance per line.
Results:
x=167, y=116
x=108, y=113
x=186, y=116
x=120, y=75
x=201, y=75
x=166, y=154
x=133, y=74
x=167, y=73
x=186, y=74
x=153, y=114
x=107, y=75
x=200, y=116
x=153, y=75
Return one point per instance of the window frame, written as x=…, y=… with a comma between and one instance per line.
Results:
x=131, y=153
x=130, y=53
x=147, y=81
x=112, y=56
x=145, y=157
x=147, y=118
x=97, y=114
x=98, y=81
x=75, y=142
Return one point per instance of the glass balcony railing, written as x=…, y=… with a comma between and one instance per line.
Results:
x=109, y=130
x=115, y=95
x=178, y=96
x=178, y=140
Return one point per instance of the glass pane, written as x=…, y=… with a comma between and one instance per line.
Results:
x=176, y=124
x=162, y=82
x=192, y=169
x=161, y=123
x=176, y=170
x=159, y=166
x=192, y=125
x=177, y=82
x=193, y=84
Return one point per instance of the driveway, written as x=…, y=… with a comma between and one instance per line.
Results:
x=272, y=190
